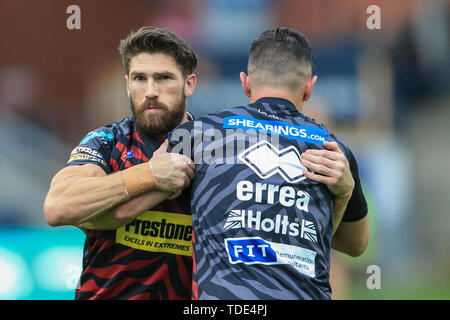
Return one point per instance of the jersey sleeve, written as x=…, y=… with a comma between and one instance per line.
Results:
x=357, y=205
x=95, y=148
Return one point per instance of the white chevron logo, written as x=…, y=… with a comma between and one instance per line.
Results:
x=266, y=160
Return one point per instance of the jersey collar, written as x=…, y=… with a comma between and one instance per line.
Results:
x=277, y=102
x=278, y=105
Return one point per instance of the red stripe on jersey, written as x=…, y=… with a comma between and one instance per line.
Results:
x=138, y=153
x=118, y=287
x=101, y=244
x=194, y=290
x=141, y=296
x=128, y=164
x=114, y=164
x=122, y=254
x=122, y=148
x=93, y=235
x=194, y=270
x=90, y=286
x=184, y=273
x=162, y=273
x=137, y=137
x=112, y=270
x=123, y=152
x=194, y=267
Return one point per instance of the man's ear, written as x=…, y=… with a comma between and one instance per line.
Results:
x=126, y=83
x=245, y=81
x=309, y=86
x=189, y=87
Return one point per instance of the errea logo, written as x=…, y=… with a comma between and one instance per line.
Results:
x=266, y=160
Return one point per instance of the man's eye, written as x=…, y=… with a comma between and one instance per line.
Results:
x=139, y=78
x=164, y=77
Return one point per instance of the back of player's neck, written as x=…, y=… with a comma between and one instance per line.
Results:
x=274, y=93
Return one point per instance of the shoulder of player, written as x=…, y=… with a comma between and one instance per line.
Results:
x=218, y=116
x=342, y=145
x=121, y=129
x=112, y=132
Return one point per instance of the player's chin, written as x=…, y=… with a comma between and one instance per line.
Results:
x=150, y=116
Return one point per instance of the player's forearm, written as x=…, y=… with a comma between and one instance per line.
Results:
x=352, y=238
x=81, y=193
x=339, y=206
x=76, y=199
x=125, y=212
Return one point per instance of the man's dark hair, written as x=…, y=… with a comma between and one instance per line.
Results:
x=158, y=40
x=280, y=57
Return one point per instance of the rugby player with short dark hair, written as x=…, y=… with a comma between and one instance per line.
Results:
x=277, y=191
x=123, y=189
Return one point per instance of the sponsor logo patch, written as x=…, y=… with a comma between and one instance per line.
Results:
x=255, y=250
x=279, y=224
x=266, y=160
x=87, y=150
x=127, y=155
x=85, y=157
x=258, y=192
x=158, y=232
x=308, y=134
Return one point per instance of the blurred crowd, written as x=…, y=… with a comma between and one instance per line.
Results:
x=385, y=92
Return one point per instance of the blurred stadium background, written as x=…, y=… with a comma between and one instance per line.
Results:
x=385, y=92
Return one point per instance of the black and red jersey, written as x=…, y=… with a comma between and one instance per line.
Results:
x=151, y=257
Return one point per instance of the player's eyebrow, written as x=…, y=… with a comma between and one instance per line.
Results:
x=163, y=73
x=153, y=74
x=137, y=73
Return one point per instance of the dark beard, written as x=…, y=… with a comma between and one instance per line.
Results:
x=158, y=125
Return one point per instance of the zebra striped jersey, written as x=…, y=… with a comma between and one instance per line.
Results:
x=261, y=229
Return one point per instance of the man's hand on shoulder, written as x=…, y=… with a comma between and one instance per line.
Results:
x=173, y=172
x=330, y=167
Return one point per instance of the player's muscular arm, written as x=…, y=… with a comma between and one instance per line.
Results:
x=331, y=168
x=80, y=195
x=352, y=238
x=125, y=212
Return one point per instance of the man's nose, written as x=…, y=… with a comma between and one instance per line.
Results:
x=151, y=91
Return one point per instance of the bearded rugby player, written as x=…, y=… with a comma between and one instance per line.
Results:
x=124, y=190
